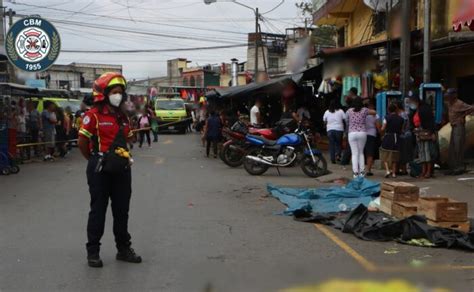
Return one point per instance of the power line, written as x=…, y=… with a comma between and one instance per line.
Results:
x=125, y=19
x=274, y=8
x=152, y=50
x=121, y=29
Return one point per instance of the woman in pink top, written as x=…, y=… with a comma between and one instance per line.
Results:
x=356, y=117
x=144, y=124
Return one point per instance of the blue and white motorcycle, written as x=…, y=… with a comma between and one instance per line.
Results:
x=285, y=152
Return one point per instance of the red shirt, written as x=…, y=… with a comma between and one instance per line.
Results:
x=103, y=125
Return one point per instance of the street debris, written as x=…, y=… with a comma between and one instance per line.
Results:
x=421, y=242
x=391, y=250
x=465, y=178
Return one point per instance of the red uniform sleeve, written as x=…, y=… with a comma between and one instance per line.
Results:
x=89, y=125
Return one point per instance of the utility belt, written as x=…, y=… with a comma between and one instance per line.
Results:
x=117, y=159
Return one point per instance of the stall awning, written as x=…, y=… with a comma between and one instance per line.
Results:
x=464, y=16
x=245, y=91
x=14, y=89
x=270, y=87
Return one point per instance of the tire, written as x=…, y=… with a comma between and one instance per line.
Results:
x=5, y=171
x=312, y=170
x=231, y=157
x=253, y=167
x=15, y=169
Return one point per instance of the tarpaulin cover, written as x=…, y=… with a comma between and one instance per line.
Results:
x=328, y=199
x=377, y=226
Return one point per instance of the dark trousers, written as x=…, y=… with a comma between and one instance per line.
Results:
x=102, y=186
x=335, y=143
x=457, y=148
x=144, y=134
x=211, y=141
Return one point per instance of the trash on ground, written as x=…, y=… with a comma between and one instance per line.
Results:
x=392, y=250
x=327, y=199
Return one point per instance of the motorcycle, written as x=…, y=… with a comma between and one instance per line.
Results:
x=235, y=148
x=284, y=152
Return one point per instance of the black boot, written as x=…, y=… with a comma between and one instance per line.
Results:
x=128, y=255
x=94, y=261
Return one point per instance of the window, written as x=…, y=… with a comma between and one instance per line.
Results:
x=185, y=81
x=192, y=81
x=379, y=20
x=64, y=84
x=273, y=63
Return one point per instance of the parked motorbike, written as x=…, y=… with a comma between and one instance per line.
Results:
x=233, y=149
x=236, y=147
x=284, y=152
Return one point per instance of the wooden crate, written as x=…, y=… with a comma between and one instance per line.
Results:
x=442, y=209
x=400, y=187
x=463, y=226
x=386, y=205
x=400, y=191
x=404, y=209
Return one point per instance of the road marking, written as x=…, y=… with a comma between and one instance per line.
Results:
x=168, y=141
x=371, y=267
x=368, y=265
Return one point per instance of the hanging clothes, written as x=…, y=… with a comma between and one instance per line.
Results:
x=347, y=83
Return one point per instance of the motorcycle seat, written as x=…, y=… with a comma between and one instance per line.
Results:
x=264, y=140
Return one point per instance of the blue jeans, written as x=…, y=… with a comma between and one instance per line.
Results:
x=335, y=142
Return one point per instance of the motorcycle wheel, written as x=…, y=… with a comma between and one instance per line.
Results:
x=231, y=157
x=5, y=171
x=253, y=167
x=314, y=169
x=15, y=169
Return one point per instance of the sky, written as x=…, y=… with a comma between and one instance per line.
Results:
x=156, y=25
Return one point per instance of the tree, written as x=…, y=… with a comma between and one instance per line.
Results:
x=322, y=35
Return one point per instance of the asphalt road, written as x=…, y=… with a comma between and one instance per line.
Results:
x=199, y=226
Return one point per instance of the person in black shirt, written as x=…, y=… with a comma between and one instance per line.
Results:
x=389, y=152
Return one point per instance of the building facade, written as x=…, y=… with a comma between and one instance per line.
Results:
x=362, y=41
x=75, y=76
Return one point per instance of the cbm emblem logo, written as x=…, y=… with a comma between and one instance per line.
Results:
x=32, y=44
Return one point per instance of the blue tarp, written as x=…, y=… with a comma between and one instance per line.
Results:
x=328, y=199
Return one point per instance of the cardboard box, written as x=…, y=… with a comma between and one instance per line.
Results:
x=442, y=209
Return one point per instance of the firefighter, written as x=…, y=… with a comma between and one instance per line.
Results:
x=103, y=142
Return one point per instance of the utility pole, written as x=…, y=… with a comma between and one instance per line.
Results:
x=427, y=42
x=257, y=35
x=405, y=47
x=2, y=24
x=388, y=53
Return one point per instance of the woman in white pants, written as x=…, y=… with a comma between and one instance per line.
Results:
x=356, y=117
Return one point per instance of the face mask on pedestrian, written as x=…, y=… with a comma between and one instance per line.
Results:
x=115, y=99
x=412, y=106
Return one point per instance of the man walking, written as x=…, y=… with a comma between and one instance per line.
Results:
x=457, y=110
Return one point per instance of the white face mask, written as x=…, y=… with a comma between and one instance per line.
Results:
x=115, y=99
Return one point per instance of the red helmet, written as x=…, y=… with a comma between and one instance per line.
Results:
x=105, y=81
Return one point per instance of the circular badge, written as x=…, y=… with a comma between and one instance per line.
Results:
x=86, y=120
x=32, y=44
